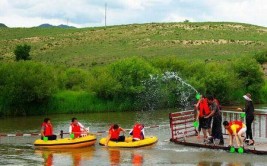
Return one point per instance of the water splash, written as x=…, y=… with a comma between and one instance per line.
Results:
x=166, y=90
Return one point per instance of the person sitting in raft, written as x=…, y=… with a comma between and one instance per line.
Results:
x=138, y=132
x=76, y=128
x=47, y=130
x=235, y=128
x=114, y=134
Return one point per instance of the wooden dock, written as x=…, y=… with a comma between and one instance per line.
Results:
x=194, y=141
x=183, y=132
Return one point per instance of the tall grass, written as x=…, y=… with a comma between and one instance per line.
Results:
x=82, y=102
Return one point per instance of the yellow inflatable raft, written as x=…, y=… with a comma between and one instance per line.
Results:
x=128, y=142
x=66, y=142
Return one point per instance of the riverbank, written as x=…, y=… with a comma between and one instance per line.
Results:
x=131, y=67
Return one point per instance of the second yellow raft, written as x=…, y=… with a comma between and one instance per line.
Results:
x=128, y=143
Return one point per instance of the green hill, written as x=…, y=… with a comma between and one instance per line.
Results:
x=3, y=25
x=98, y=46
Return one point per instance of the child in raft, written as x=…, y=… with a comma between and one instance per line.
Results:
x=114, y=134
x=77, y=128
x=138, y=132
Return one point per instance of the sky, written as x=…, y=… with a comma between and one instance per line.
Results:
x=91, y=13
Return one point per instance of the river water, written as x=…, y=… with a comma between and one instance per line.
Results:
x=20, y=150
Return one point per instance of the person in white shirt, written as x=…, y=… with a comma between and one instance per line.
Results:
x=77, y=128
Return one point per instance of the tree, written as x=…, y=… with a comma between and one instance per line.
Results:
x=22, y=52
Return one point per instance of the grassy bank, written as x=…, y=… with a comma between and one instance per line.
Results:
x=111, y=69
x=81, y=102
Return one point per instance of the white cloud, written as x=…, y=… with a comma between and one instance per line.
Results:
x=247, y=11
x=91, y=12
x=174, y=17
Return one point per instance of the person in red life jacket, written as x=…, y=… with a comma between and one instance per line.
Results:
x=76, y=128
x=47, y=130
x=138, y=132
x=204, y=120
x=114, y=134
x=235, y=129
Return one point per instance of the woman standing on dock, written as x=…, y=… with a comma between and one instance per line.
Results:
x=249, y=110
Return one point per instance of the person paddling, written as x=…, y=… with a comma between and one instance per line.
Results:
x=114, y=134
x=235, y=129
x=47, y=130
x=76, y=128
x=138, y=132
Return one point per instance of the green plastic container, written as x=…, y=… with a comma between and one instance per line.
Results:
x=45, y=139
x=242, y=115
x=240, y=150
x=232, y=149
x=72, y=136
x=196, y=124
x=198, y=96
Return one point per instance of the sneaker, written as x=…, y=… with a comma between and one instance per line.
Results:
x=216, y=141
x=250, y=142
x=221, y=143
x=246, y=141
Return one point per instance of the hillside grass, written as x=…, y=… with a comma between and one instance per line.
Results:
x=105, y=69
x=89, y=47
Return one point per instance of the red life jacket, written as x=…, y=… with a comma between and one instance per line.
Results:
x=137, y=133
x=204, y=109
x=114, y=134
x=48, y=129
x=235, y=122
x=76, y=129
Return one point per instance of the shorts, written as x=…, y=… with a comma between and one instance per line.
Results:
x=205, y=123
x=242, y=131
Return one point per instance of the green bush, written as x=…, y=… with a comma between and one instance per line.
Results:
x=122, y=79
x=261, y=57
x=25, y=83
x=77, y=79
x=104, y=84
x=22, y=52
x=249, y=73
x=130, y=73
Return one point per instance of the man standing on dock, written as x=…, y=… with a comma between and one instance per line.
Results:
x=216, y=130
